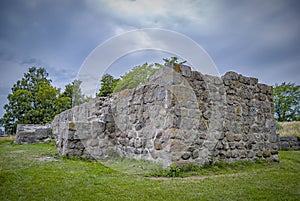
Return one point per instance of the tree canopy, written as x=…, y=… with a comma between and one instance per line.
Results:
x=73, y=91
x=71, y=96
x=137, y=76
x=287, y=102
x=108, y=84
x=34, y=100
x=173, y=60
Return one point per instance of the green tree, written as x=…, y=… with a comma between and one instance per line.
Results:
x=17, y=109
x=287, y=102
x=62, y=103
x=72, y=94
x=139, y=75
x=77, y=98
x=45, y=100
x=31, y=79
x=173, y=60
x=64, y=100
x=108, y=84
x=32, y=100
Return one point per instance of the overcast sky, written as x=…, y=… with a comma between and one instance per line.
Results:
x=258, y=38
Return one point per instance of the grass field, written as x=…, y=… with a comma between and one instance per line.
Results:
x=291, y=128
x=24, y=175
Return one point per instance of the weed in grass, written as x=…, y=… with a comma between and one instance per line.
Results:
x=172, y=171
x=210, y=169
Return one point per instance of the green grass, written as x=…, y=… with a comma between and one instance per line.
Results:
x=23, y=177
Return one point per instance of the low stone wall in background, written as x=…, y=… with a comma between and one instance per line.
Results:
x=33, y=133
x=289, y=143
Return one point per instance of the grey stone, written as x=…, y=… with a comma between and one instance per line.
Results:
x=185, y=70
x=288, y=138
x=202, y=125
x=219, y=145
x=239, y=146
x=202, y=136
x=234, y=154
x=244, y=80
x=253, y=81
x=209, y=145
x=161, y=94
x=273, y=138
x=251, y=154
x=195, y=154
x=32, y=133
x=186, y=156
x=139, y=126
x=289, y=143
x=229, y=136
x=94, y=143
x=232, y=145
x=237, y=137
x=197, y=75
x=259, y=154
x=139, y=143
x=231, y=76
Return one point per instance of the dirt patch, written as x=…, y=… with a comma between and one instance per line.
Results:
x=18, y=151
x=46, y=159
x=8, y=137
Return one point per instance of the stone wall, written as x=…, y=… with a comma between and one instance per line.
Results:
x=180, y=117
x=32, y=133
x=288, y=143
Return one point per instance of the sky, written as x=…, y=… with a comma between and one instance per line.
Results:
x=257, y=38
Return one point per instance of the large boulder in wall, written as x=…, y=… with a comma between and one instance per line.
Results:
x=33, y=133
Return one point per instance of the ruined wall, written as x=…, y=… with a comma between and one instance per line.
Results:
x=33, y=133
x=249, y=126
x=179, y=117
x=289, y=143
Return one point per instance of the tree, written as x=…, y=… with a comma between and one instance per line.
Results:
x=32, y=100
x=173, y=60
x=72, y=94
x=64, y=100
x=44, y=107
x=137, y=76
x=17, y=109
x=32, y=79
x=287, y=102
x=108, y=84
x=141, y=74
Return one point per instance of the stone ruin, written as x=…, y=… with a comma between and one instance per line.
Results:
x=289, y=143
x=33, y=133
x=180, y=117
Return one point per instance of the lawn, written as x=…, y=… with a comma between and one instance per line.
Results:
x=26, y=174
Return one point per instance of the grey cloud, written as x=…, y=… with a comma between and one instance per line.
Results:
x=257, y=38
